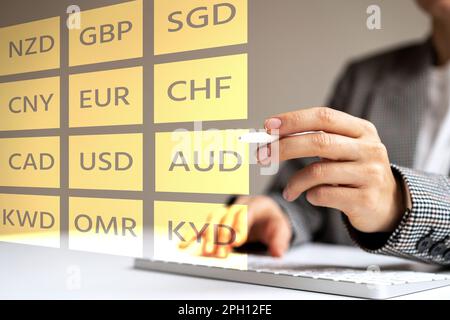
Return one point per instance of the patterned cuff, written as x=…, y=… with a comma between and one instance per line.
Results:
x=424, y=231
x=300, y=231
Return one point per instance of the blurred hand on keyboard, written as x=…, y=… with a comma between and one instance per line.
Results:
x=253, y=219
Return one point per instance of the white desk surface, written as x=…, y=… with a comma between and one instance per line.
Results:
x=28, y=272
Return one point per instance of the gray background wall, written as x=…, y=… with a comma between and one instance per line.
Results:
x=296, y=47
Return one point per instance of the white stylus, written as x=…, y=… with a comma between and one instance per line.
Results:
x=264, y=137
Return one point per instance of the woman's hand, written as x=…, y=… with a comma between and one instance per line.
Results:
x=354, y=176
x=253, y=219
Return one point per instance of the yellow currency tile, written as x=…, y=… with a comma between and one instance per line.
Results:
x=184, y=25
x=30, y=104
x=107, y=162
x=201, y=90
x=31, y=46
x=111, y=226
x=30, y=219
x=106, y=98
x=202, y=162
x=108, y=34
x=30, y=162
x=176, y=223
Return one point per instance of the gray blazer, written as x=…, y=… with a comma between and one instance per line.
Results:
x=390, y=90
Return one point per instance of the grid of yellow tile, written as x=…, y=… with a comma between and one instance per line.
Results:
x=31, y=161
x=197, y=90
x=96, y=99
x=104, y=161
x=78, y=128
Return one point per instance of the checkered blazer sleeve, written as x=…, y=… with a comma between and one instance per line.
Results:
x=424, y=231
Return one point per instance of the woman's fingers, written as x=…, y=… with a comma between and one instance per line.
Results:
x=186, y=244
x=320, y=119
x=271, y=228
x=240, y=226
x=279, y=236
x=320, y=144
x=324, y=173
x=335, y=197
x=227, y=228
x=225, y=232
x=208, y=247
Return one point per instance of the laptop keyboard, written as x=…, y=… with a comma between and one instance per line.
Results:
x=358, y=276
